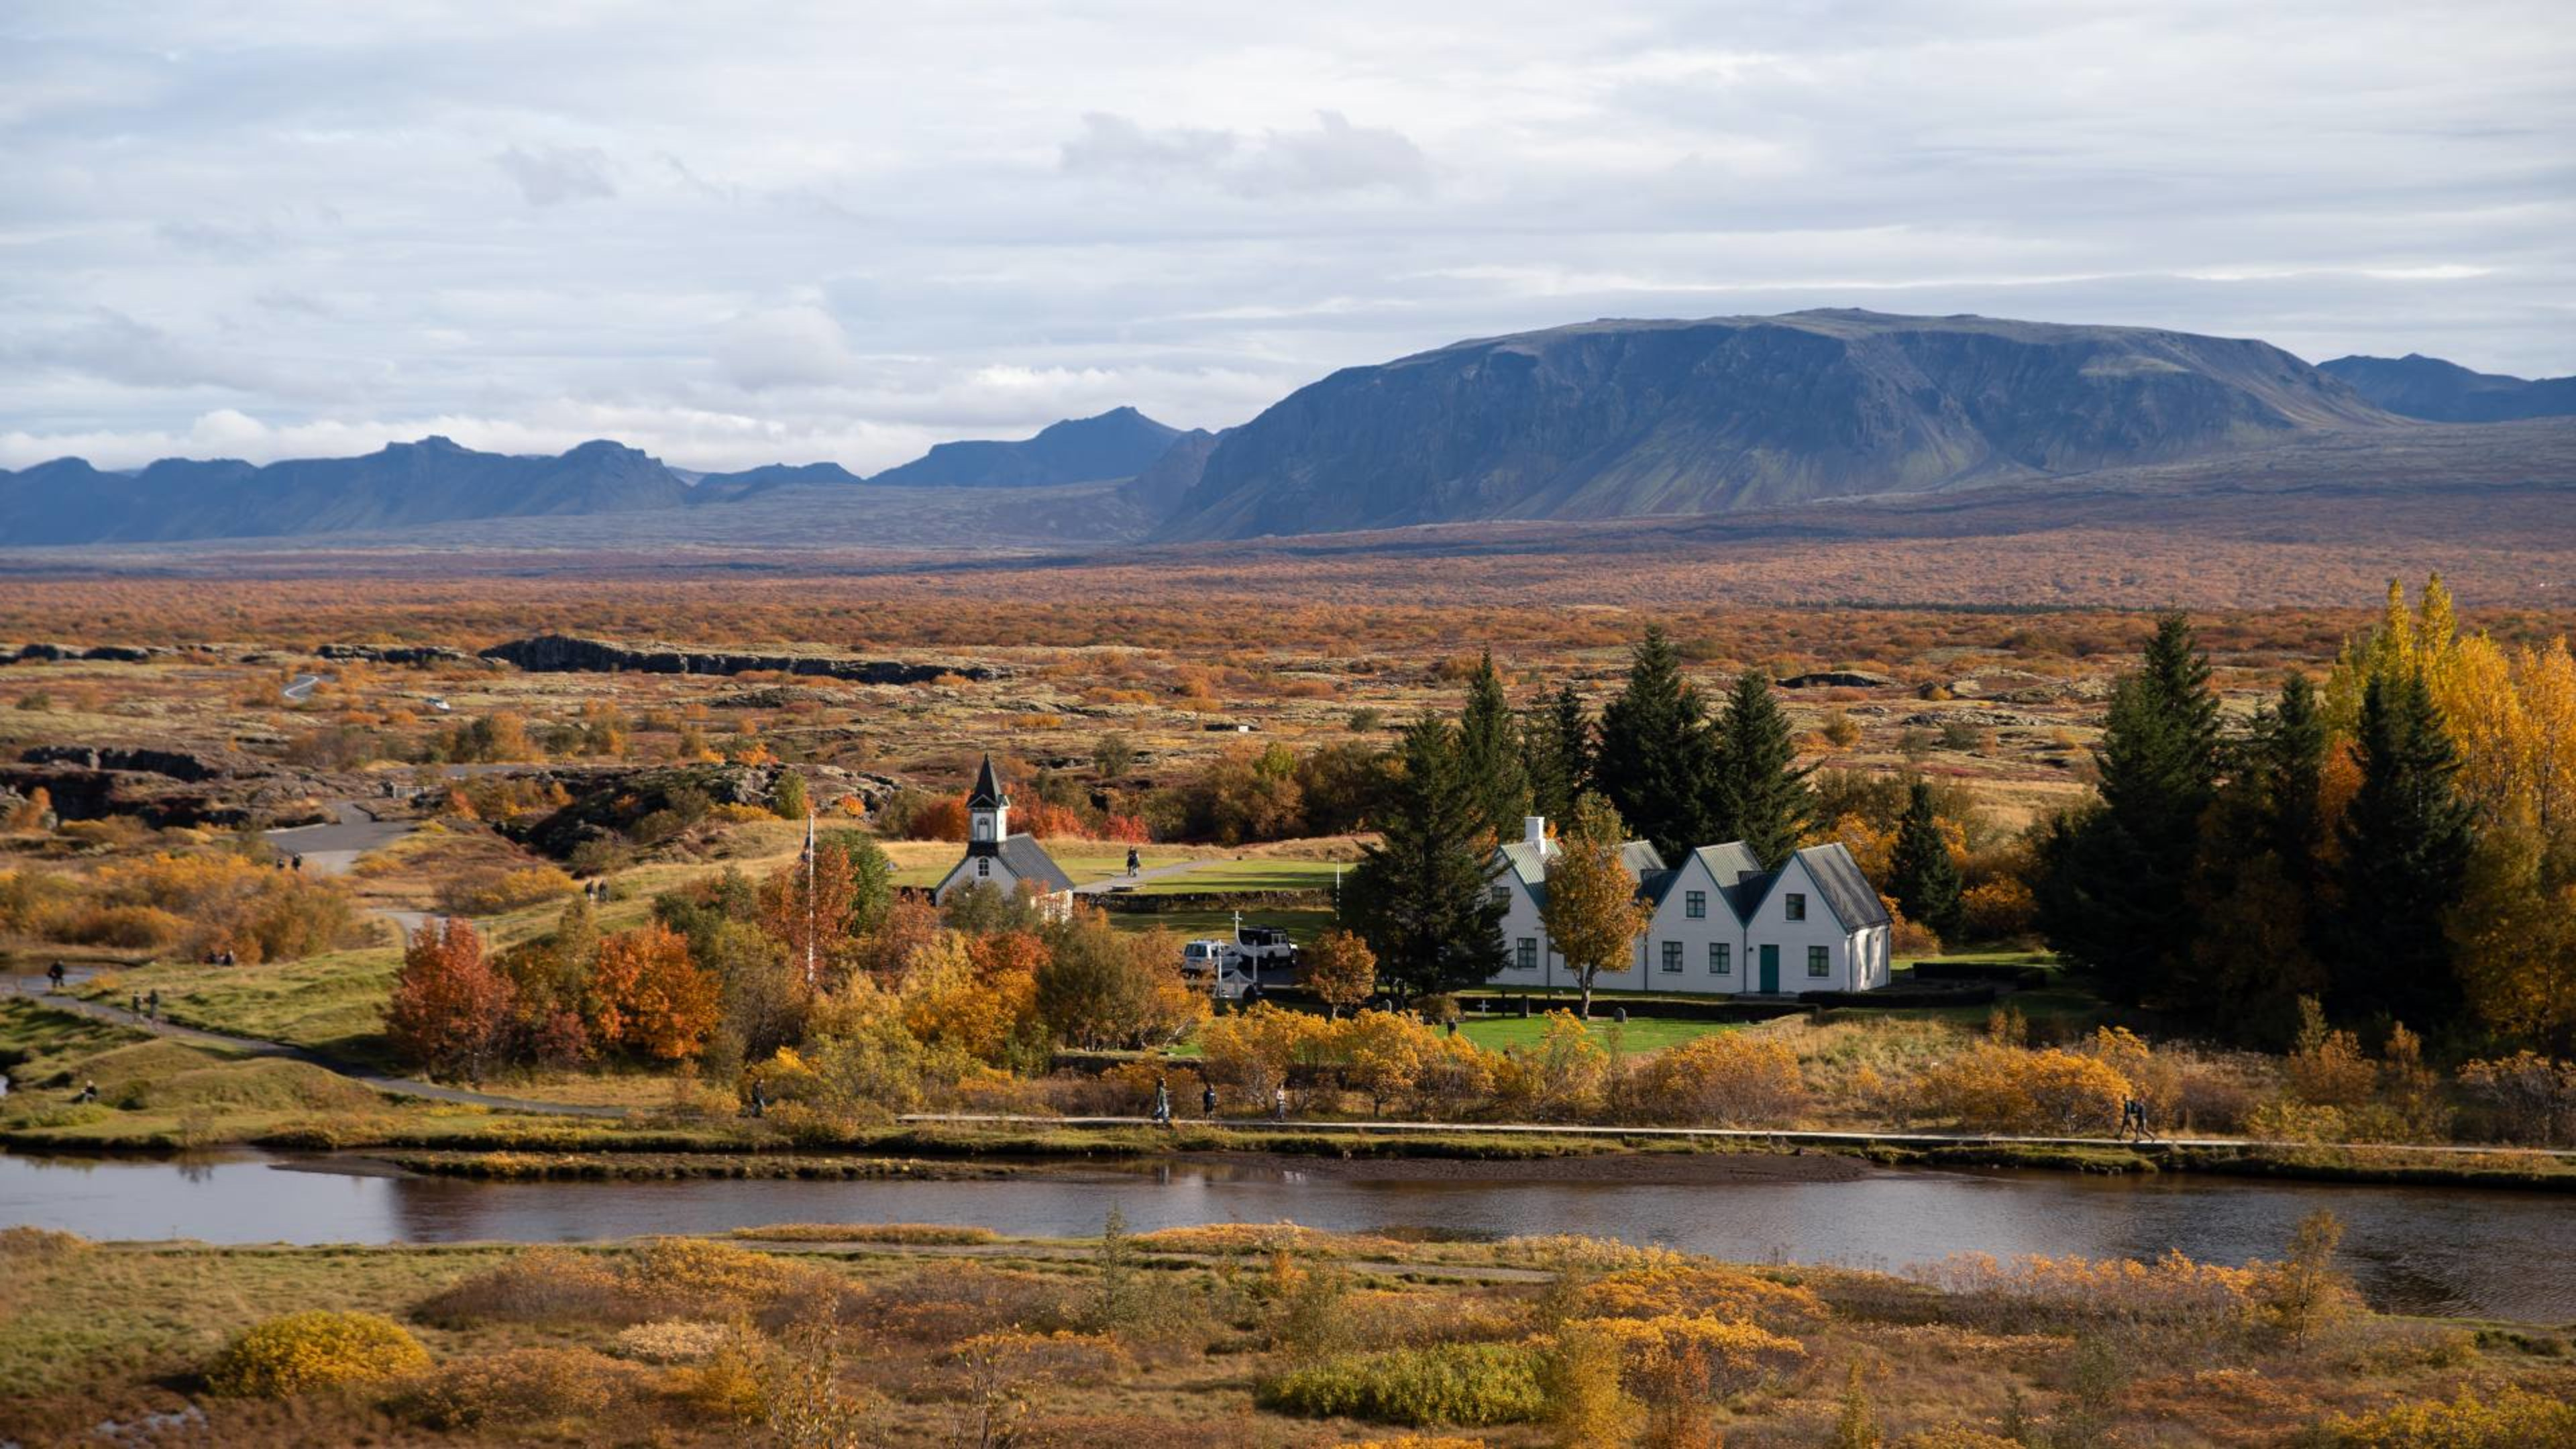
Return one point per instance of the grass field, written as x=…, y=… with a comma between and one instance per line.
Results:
x=1642, y=1034
x=1246, y=875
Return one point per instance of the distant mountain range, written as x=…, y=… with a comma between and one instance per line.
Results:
x=2416, y=386
x=436, y=481
x=1604, y=420
x=1622, y=419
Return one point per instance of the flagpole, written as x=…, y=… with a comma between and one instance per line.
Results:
x=809, y=897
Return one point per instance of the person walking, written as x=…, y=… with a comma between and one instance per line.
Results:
x=54, y=977
x=1162, y=1102
x=1133, y=860
x=152, y=1004
x=134, y=1002
x=1207, y=1099
x=1279, y=1103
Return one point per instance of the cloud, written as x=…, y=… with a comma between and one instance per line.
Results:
x=847, y=234
x=785, y=347
x=1335, y=156
x=551, y=175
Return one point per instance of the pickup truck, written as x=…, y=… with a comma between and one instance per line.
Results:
x=1264, y=946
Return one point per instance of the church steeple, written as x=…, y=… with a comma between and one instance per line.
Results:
x=988, y=810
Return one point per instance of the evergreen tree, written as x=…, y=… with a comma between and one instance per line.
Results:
x=2113, y=890
x=1761, y=796
x=2406, y=843
x=1489, y=755
x=1657, y=759
x=1921, y=875
x=2259, y=875
x=1556, y=754
x=1421, y=896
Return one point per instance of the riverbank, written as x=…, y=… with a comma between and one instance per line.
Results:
x=1220, y=1336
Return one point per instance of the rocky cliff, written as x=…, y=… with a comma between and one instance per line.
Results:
x=560, y=654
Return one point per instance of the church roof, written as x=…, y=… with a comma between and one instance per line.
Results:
x=988, y=793
x=1029, y=860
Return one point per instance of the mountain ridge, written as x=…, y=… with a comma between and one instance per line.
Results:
x=2440, y=391
x=1629, y=417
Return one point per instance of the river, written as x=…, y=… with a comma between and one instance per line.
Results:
x=2455, y=1252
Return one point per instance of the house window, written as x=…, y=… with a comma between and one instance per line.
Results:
x=1794, y=906
x=1695, y=905
x=1503, y=897
x=983, y=827
x=1527, y=954
x=1672, y=955
x=1820, y=961
x=1721, y=959
x=983, y=865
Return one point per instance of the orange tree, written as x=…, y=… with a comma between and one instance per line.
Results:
x=1592, y=914
x=449, y=1007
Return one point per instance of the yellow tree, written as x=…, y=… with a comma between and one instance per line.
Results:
x=1592, y=914
x=1341, y=970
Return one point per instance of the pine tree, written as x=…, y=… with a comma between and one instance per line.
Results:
x=1420, y=897
x=1761, y=796
x=1657, y=759
x=2258, y=878
x=1489, y=755
x=1556, y=753
x=2113, y=889
x=2406, y=839
x=1921, y=874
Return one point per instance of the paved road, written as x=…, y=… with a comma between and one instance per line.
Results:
x=333, y=849
x=300, y=688
x=1118, y=883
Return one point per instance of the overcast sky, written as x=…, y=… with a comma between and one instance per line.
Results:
x=738, y=233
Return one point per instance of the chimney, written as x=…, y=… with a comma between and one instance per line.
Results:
x=1534, y=830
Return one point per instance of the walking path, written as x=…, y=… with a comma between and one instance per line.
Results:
x=1782, y=1137
x=27, y=986
x=1118, y=883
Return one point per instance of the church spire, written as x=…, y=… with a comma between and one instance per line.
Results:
x=989, y=810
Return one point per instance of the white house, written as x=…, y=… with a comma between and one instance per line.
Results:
x=1722, y=924
x=997, y=858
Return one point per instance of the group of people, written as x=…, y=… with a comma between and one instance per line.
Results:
x=595, y=891
x=1207, y=1101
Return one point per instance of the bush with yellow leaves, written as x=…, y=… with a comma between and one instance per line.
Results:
x=1677, y=1354
x=1701, y=1290
x=1995, y=1088
x=1726, y=1078
x=2512, y=1419
x=556, y=1391
x=316, y=1349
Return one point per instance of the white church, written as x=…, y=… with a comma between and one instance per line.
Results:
x=997, y=858
x=1722, y=924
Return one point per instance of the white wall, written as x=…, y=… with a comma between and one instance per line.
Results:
x=1673, y=923
x=1771, y=925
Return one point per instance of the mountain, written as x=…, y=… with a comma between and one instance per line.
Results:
x=401, y=485
x=725, y=487
x=1627, y=418
x=1159, y=487
x=1119, y=443
x=2417, y=386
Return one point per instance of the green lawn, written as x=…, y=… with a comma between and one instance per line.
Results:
x=1302, y=923
x=1247, y=875
x=333, y=1003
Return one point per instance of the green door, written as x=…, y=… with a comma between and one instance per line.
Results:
x=1771, y=969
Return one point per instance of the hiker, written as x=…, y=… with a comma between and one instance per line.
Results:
x=1207, y=1099
x=54, y=977
x=299, y=862
x=1162, y=1102
x=152, y=1004
x=228, y=955
x=759, y=1102
x=1279, y=1103
x=134, y=1002
x=87, y=1093
x=2139, y=1105
x=1133, y=860
x=1453, y=1026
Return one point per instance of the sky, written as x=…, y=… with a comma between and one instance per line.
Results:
x=751, y=232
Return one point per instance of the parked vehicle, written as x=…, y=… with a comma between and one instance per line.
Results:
x=1201, y=960
x=1264, y=946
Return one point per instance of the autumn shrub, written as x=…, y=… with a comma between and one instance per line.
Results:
x=1690, y=1288
x=492, y=892
x=672, y=1340
x=1695, y=1352
x=2525, y=1097
x=689, y=1278
x=554, y=1392
x=536, y=1285
x=223, y=901
x=316, y=1349
x=958, y=1300
x=2511, y=1418
x=1466, y=1384
x=2043, y=1294
x=1998, y=910
x=1956, y=1436
x=126, y=928
x=1728, y=1078
x=2009, y=1089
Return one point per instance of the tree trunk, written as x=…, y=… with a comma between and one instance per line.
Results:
x=1586, y=980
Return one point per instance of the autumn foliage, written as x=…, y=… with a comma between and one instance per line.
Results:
x=449, y=1006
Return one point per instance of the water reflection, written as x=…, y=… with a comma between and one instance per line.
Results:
x=2416, y=1250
